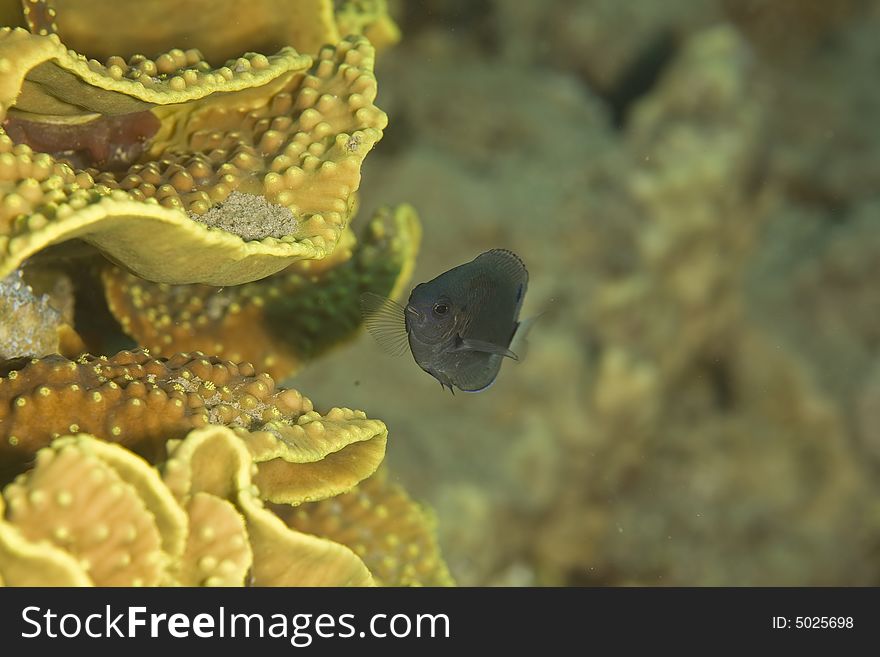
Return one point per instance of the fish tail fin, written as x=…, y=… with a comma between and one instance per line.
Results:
x=519, y=343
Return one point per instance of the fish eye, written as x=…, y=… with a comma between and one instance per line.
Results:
x=441, y=308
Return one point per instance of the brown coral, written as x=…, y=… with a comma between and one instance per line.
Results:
x=141, y=402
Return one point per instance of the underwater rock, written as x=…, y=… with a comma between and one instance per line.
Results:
x=618, y=48
x=823, y=147
x=656, y=413
x=813, y=284
x=789, y=28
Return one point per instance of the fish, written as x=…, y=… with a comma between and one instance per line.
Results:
x=461, y=325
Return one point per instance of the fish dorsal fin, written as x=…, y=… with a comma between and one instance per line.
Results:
x=507, y=263
x=508, y=267
x=385, y=320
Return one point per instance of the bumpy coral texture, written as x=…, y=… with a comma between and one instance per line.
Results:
x=290, y=131
x=214, y=165
x=93, y=513
x=140, y=402
x=377, y=519
x=280, y=322
x=90, y=512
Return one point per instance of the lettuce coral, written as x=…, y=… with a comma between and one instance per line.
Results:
x=286, y=128
x=377, y=519
x=279, y=322
x=151, y=176
x=141, y=402
x=94, y=513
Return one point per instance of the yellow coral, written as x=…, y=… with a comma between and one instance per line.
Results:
x=391, y=533
x=91, y=512
x=217, y=550
x=25, y=563
x=43, y=79
x=277, y=323
x=220, y=28
x=78, y=503
x=286, y=132
x=199, y=166
x=214, y=461
x=141, y=402
x=370, y=18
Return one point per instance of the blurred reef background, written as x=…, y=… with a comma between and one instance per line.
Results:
x=694, y=187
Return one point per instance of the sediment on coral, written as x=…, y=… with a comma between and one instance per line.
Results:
x=249, y=216
x=35, y=325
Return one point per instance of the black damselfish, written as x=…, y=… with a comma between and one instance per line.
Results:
x=459, y=326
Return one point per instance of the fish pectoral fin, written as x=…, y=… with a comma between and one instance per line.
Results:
x=385, y=320
x=469, y=344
